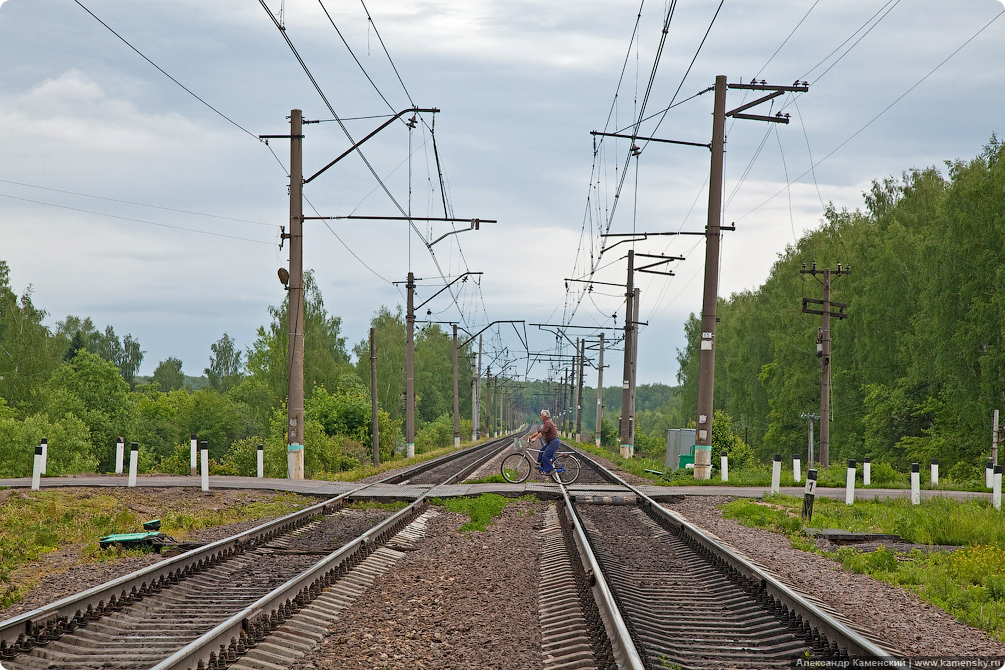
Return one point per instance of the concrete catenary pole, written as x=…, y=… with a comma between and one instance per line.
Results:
x=295, y=397
x=474, y=397
x=635, y=371
x=710, y=296
x=457, y=406
x=579, y=391
x=478, y=387
x=373, y=400
x=600, y=392
x=626, y=379
x=410, y=368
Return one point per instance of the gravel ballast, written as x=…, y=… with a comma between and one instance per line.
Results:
x=460, y=600
x=891, y=614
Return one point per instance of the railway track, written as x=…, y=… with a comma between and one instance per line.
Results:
x=674, y=596
x=624, y=585
x=209, y=607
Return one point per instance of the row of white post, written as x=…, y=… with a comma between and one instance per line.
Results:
x=993, y=478
x=42, y=457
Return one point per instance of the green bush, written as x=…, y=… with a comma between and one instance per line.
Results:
x=69, y=450
x=435, y=434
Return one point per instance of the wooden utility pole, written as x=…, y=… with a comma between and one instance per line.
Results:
x=824, y=348
x=626, y=382
x=295, y=392
x=600, y=392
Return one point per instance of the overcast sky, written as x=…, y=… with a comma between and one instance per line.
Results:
x=126, y=199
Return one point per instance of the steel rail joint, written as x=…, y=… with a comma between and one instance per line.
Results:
x=68, y=607
x=857, y=645
x=189, y=656
x=625, y=653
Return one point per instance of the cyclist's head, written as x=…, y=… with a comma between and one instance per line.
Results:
x=545, y=414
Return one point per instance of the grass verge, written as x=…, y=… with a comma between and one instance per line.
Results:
x=33, y=524
x=480, y=510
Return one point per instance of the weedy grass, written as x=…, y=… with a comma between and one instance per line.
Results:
x=33, y=524
x=491, y=479
x=968, y=583
x=480, y=510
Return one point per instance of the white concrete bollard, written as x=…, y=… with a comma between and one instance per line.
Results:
x=915, y=484
x=261, y=461
x=724, y=466
x=989, y=473
x=36, y=470
x=134, y=462
x=776, y=473
x=849, y=486
x=204, y=453
x=193, y=460
x=935, y=472
x=45, y=456
x=797, y=468
x=996, y=490
x=866, y=471
x=120, y=455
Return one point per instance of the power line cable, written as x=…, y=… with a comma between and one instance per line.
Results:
x=163, y=72
x=138, y=204
x=127, y=218
x=880, y=114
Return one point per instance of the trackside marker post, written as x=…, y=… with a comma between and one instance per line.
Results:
x=809, y=493
x=849, y=487
x=989, y=473
x=45, y=456
x=935, y=472
x=204, y=452
x=996, y=491
x=724, y=466
x=192, y=461
x=261, y=460
x=866, y=471
x=36, y=471
x=776, y=473
x=915, y=484
x=120, y=455
x=797, y=468
x=134, y=462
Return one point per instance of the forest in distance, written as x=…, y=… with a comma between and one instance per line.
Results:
x=918, y=365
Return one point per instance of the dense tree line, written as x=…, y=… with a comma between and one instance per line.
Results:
x=918, y=365
x=77, y=386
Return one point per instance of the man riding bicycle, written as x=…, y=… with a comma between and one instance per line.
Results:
x=551, y=442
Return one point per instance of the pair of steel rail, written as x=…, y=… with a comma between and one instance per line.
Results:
x=230, y=639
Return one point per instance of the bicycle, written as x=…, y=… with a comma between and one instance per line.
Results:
x=518, y=466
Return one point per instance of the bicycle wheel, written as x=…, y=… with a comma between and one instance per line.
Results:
x=515, y=468
x=567, y=468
